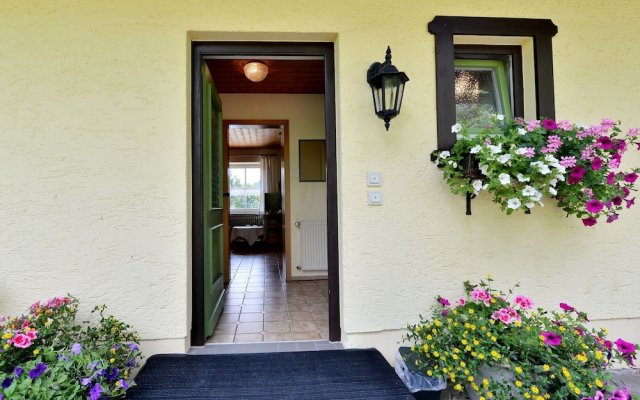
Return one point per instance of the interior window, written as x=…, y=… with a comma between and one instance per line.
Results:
x=244, y=187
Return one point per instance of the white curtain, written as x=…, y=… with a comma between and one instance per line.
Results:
x=270, y=179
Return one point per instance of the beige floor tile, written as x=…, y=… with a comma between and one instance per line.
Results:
x=252, y=302
x=228, y=318
x=305, y=335
x=252, y=309
x=225, y=329
x=324, y=334
x=231, y=309
x=235, y=295
x=297, y=307
x=254, y=295
x=249, y=327
x=248, y=338
x=221, y=339
x=232, y=302
x=314, y=307
x=322, y=323
x=276, y=327
x=255, y=289
x=303, y=326
x=276, y=317
x=251, y=317
x=296, y=300
x=300, y=316
x=277, y=337
x=320, y=315
x=274, y=300
x=277, y=293
x=315, y=299
x=275, y=307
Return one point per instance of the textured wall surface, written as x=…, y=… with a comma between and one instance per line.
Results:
x=306, y=121
x=95, y=165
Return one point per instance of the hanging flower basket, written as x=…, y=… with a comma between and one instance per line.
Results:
x=521, y=162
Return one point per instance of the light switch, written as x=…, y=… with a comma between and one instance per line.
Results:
x=374, y=197
x=374, y=179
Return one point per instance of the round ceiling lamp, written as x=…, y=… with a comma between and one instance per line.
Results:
x=256, y=71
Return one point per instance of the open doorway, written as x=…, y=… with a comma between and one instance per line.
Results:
x=308, y=294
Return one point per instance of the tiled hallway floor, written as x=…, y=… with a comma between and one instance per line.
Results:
x=262, y=307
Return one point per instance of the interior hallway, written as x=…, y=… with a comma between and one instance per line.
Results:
x=262, y=307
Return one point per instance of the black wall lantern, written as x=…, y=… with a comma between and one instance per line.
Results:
x=387, y=87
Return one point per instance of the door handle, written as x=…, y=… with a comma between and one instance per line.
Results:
x=225, y=194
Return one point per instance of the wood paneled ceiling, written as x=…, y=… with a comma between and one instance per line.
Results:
x=285, y=76
x=255, y=136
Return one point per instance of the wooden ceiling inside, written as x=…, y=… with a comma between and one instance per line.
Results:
x=285, y=76
x=255, y=136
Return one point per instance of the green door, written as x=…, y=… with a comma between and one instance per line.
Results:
x=212, y=170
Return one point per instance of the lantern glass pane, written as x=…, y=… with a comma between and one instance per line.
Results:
x=390, y=93
x=378, y=99
x=400, y=94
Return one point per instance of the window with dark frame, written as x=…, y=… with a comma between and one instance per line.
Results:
x=444, y=28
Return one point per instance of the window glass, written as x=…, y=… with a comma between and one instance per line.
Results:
x=244, y=186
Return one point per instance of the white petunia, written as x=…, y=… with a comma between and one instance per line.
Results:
x=456, y=128
x=484, y=168
x=477, y=185
x=514, y=203
x=529, y=191
x=500, y=117
x=453, y=163
x=495, y=149
x=522, y=178
x=522, y=131
x=475, y=149
x=550, y=158
x=444, y=154
x=521, y=151
x=560, y=177
x=542, y=167
x=553, y=182
x=560, y=168
x=505, y=179
x=504, y=158
x=553, y=191
x=529, y=204
x=536, y=196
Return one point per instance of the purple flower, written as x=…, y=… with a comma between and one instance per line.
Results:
x=598, y=396
x=6, y=382
x=594, y=206
x=444, y=313
x=123, y=384
x=631, y=177
x=551, y=338
x=95, y=392
x=604, y=142
x=549, y=124
x=63, y=357
x=566, y=307
x=620, y=145
x=617, y=201
x=611, y=178
x=576, y=174
x=86, y=381
x=443, y=301
x=76, y=349
x=625, y=347
x=37, y=370
x=612, y=218
x=111, y=374
x=621, y=394
x=589, y=221
x=93, y=364
x=615, y=160
x=626, y=192
x=630, y=202
x=133, y=347
x=18, y=371
x=596, y=163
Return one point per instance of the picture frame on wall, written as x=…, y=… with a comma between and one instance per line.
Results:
x=312, y=160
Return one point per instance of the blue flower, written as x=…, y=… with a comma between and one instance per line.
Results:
x=112, y=374
x=6, y=382
x=76, y=348
x=18, y=371
x=95, y=392
x=133, y=347
x=37, y=370
x=123, y=384
x=85, y=381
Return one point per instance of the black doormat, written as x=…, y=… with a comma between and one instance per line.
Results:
x=331, y=374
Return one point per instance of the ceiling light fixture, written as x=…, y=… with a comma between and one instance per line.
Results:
x=255, y=71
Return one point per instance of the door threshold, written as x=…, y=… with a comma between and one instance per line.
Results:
x=269, y=347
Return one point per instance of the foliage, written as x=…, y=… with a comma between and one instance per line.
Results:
x=547, y=354
x=522, y=161
x=46, y=355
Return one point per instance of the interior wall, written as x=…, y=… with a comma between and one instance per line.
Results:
x=305, y=113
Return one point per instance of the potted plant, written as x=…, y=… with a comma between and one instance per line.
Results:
x=496, y=345
x=520, y=162
x=44, y=354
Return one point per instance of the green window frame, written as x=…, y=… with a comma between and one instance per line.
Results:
x=502, y=86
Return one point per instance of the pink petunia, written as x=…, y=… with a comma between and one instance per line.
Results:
x=596, y=163
x=630, y=202
x=594, y=206
x=551, y=338
x=565, y=125
x=607, y=123
x=461, y=302
x=589, y=221
x=567, y=307
x=611, y=218
x=631, y=177
x=549, y=124
x=568, y=161
x=32, y=334
x=523, y=301
x=611, y=178
x=625, y=347
x=533, y=124
x=443, y=301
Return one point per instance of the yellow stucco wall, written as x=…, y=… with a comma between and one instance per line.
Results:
x=95, y=165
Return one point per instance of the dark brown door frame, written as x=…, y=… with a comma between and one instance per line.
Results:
x=199, y=51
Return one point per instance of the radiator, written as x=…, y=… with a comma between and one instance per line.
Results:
x=313, y=245
x=244, y=219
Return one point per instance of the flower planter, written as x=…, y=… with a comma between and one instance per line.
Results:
x=420, y=385
x=498, y=374
x=471, y=167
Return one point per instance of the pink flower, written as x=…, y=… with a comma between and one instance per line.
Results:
x=589, y=221
x=631, y=177
x=481, y=295
x=576, y=174
x=607, y=123
x=615, y=160
x=549, y=124
x=567, y=307
x=22, y=341
x=506, y=315
x=611, y=178
x=568, y=161
x=630, y=202
x=621, y=394
x=620, y=145
x=617, y=201
x=553, y=144
x=443, y=301
x=461, y=302
x=551, y=338
x=565, y=125
x=594, y=206
x=596, y=163
x=625, y=347
x=633, y=132
x=32, y=334
x=604, y=142
x=611, y=218
x=523, y=301
x=532, y=125
x=529, y=152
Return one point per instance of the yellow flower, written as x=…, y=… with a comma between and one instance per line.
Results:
x=546, y=367
x=458, y=387
x=429, y=337
x=471, y=311
x=5, y=346
x=112, y=360
x=437, y=323
x=562, y=329
x=535, y=389
x=36, y=352
x=485, y=382
x=7, y=335
x=518, y=370
x=599, y=383
x=475, y=342
x=436, y=354
x=117, y=383
x=455, y=356
x=470, y=378
x=430, y=372
x=518, y=383
x=495, y=354
x=581, y=357
x=527, y=395
x=481, y=356
x=463, y=364
x=113, y=351
x=425, y=348
x=445, y=370
x=464, y=341
x=48, y=322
